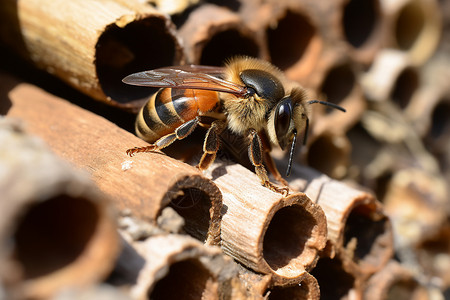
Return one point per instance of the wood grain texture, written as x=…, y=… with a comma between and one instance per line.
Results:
x=56, y=229
x=144, y=184
x=265, y=231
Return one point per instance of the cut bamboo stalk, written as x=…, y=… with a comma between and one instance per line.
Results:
x=394, y=282
x=212, y=34
x=175, y=267
x=414, y=27
x=358, y=228
x=144, y=184
x=335, y=282
x=92, y=46
x=391, y=77
x=265, y=231
x=57, y=230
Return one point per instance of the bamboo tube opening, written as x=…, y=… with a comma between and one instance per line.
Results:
x=141, y=45
x=193, y=205
x=409, y=25
x=285, y=51
x=338, y=84
x=308, y=288
x=334, y=281
x=329, y=154
x=405, y=289
x=226, y=44
x=364, y=229
x=187, y=279
x=440, y=125
x=405, y=86
x=285, y=238
x=359, y=21
x=53, y=234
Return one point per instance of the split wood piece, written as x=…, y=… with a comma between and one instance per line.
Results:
x=336, y=80
x=329, y=153
x=391, y=77
x=260, y=287
x=92, y=47
x=394, y=282
x=212, y=34
x=414, y=26
x=265, y=231
x=358, y=229
x=57, y=230
x=335, y=282
x=144, y=184
x=174, y=267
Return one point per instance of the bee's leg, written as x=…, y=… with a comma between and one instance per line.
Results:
x=211, y=144
x=270, y=164
x=180, y=133
x=255, y=154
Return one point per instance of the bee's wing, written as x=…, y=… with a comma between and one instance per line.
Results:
x=186, y=77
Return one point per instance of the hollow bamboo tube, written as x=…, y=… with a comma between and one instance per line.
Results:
x=358, y=229
x=394, y=282
x=265, y=231
x=175, y=267
x=57, y=230
x=414, y=27
x=391, y=77
x=92, y=46
x=211, y=34
x=144, y=184
x=335, y=281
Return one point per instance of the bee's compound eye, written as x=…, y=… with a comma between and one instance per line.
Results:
x=283, y=116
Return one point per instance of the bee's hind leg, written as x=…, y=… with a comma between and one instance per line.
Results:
x=180, y=133
x=211, y=144
x=255, y=153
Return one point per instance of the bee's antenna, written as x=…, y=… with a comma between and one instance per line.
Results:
x=291, y=154
x=327, y=104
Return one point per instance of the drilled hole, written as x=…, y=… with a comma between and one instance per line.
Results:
x=440, y=120
x=139, y=46
x=187, y=279
x=290, y=39
x=334, y=282
x=405, y=86
x=363, y=226
x=359, y=20
x=193, y=205
x=300, y=291
x=338, y=83
x=402, y=290
x=285, y=238
x=53, y=234
x=409, y=25
x=225, y=45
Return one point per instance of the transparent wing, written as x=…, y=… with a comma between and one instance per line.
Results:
x=186, y=77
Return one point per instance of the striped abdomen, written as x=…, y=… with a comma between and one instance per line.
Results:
x=168, y=108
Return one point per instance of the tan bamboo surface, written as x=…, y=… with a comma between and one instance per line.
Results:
x=56, y=229
x=143, y=184
x=394, y=282
x=91, y=47
x=211, y=34
x=172, y=266
x=414, y=26
x=265, y=231
x=359, y=231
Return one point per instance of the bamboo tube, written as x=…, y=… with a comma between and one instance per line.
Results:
x=212, y=34
x=175, y=267
x=394, y=282
x=391, y=77
x=54, y=224
x=414, y=26
x=265, y=231
x=144, y=184
x=335, y=282
x=92, y=46
x=358, y=228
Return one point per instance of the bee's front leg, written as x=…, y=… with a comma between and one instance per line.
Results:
x=211, y=144
x=255, y=153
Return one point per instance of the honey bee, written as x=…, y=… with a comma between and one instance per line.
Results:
x=248, y=96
